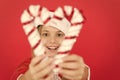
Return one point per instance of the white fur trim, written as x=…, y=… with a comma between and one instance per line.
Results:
x=62, y=25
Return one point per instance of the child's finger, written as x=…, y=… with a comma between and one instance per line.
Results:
x=36, y=60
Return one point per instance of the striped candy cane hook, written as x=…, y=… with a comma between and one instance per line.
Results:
x=67, y=19
x=30, y=20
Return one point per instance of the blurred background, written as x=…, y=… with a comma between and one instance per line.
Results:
x=98, y=43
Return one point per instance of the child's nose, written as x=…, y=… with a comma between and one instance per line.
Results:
x=52, y=39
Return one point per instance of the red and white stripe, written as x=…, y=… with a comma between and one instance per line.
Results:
x=35, y=15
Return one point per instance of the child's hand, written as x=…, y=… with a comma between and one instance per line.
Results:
x=72, y=67
x=40, y=68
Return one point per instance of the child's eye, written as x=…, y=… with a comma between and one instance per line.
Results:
x=60, y=35
x=44, y=34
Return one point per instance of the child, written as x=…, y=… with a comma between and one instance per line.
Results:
x=47, y=63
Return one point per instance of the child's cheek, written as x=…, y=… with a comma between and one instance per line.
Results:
x=44, y=41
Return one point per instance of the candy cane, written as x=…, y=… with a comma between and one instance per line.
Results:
x=67, y=19
x=70, y=18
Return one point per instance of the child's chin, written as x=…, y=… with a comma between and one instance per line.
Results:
x=51, y=54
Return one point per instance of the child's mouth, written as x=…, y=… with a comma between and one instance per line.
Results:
x=52, y=47
x=51, y=51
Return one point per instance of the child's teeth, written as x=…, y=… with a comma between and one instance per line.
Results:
x=52, y=47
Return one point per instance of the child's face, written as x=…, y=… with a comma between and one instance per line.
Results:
x=51, y=38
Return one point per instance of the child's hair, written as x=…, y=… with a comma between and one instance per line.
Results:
x=39, y=26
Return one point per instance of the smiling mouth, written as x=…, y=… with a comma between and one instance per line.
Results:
x=51, y=51
x=52, y=48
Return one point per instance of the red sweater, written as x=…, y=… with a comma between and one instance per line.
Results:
x=21, y=69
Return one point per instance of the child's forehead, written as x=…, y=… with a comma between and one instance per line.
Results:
x=50, y=28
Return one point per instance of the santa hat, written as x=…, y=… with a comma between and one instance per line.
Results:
x=67, y=19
